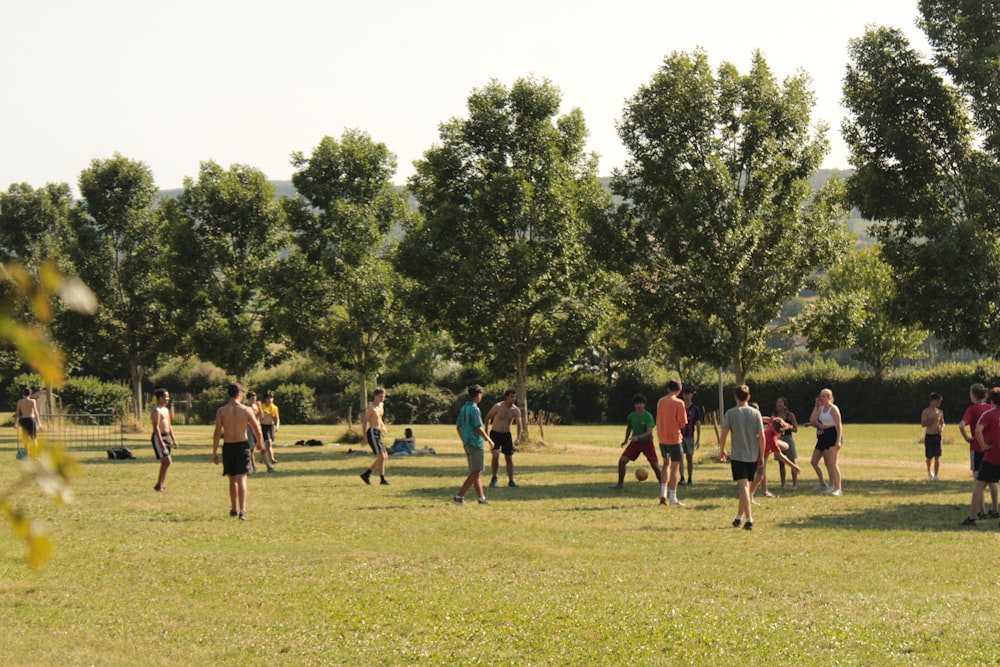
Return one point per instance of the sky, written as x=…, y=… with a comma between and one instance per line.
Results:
x=174, y=84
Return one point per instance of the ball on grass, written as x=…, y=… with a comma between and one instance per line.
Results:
x=641, y=474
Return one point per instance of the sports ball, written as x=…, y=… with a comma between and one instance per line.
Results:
x=641, y=474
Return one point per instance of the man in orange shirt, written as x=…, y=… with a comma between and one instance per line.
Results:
x=671, y=417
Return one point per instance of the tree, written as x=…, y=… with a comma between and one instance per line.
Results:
x=717, y=214
x=112, y=243
x=339, y=270
x=501, y=256
x=226, y=234
x=924, y=138
x=853, y=311
x=33, y=226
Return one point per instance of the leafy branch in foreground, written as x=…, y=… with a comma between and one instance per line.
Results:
x=47, y=463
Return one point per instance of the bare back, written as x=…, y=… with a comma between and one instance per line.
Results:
x=26, y=408
x=232, y=421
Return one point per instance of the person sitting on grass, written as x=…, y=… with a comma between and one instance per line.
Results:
x=407, y=446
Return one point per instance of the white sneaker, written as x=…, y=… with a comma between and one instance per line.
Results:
x=936, y=478
x=834, y=492
x=930, y=475
x=676, y=502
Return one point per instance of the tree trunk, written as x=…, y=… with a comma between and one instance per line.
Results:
x=521, y=361
x=136, y=372
x=362, y=393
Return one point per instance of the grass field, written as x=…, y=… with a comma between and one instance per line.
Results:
x=562, y=571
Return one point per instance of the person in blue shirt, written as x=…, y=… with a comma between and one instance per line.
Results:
x=474, y=438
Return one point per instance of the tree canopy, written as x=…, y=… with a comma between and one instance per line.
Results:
x=719, y=224
x=337, y=288
x=924, y=142
x=501, y=255
x=112, y=244
x=227, y=235
x=853, y=311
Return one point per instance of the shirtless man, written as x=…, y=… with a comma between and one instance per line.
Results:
x=498, y=423
x=374, y=428
x=163, y=435
x=232, y=419
x=932, y=419
x=26, y=417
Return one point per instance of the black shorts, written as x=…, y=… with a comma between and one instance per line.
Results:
x=989, y=473
x=162, y=444
x=267, y=430
x=235, y=458
x=977, y=460
x=672, y=452
x=932, y=445
x=503, y=441
x=743, y=470
x=30, y=425
x=375, y=441
x=827, y=439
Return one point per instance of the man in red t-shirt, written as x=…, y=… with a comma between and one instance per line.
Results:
x=988, y=439
x=979, y=407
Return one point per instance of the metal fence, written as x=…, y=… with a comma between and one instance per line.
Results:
x=84, y=431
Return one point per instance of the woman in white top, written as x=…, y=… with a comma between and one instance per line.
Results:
x=829, y=438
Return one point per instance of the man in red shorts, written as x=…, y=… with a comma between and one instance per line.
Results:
x=639, y=438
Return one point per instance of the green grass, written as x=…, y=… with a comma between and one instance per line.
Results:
x=561, y=571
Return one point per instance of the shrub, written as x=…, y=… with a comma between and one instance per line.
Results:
x=92, y=396
x=19, y=382
x=207, y=403
x=296, y=402
x=412, y=404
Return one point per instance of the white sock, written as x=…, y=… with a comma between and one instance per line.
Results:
x=663, y=490
x=673, y=495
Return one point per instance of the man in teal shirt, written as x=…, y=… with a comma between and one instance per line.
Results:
x=639, y=438
x=474, y=439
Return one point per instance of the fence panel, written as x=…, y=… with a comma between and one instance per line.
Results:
x=90, y=432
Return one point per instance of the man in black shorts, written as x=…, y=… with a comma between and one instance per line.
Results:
x=231, y=423
x=498, y=423
x=747, y=427
x=374, y=428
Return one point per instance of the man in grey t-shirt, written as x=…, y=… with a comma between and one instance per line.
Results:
x=747, y=427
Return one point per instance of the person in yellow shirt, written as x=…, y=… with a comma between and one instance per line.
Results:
x=269, y=423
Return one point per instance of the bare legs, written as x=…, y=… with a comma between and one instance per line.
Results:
x=238, y=493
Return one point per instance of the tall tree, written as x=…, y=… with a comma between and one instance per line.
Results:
x=34, y=224
x=112, y=243
x=501, y=254
x=227, y=233
x=718, y=212
x=924, y=137
x=339, y=271
x=854, y=310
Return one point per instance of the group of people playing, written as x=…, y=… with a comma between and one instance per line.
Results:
x=677, y=424
x=242, y=429
x=473, y=431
